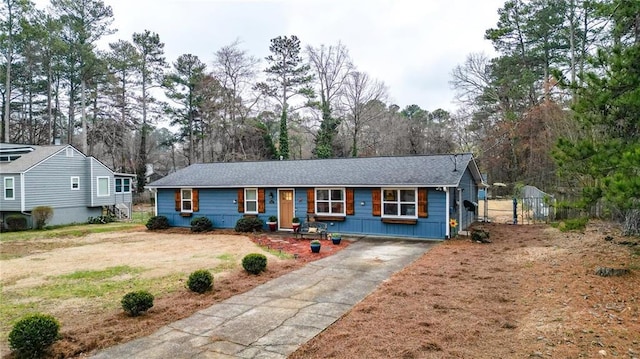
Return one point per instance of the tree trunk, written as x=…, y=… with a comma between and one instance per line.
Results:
x=83, y=115
x=7, y=100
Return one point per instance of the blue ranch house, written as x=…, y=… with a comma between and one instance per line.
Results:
x=404, y=196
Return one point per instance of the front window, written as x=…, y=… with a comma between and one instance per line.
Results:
x=75, y=183
x=330, y=201
x=9, y=188
x=103, y=187
x=123, y=185
x=250, y=200
x=399, y=202
x=187, y=200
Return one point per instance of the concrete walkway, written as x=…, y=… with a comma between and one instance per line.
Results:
x=275, y=318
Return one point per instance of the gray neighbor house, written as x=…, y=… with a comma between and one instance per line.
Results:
x=402, y=196
x=76, y=186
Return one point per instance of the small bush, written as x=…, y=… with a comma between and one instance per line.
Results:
x=200, y=281
x=254, y=263
x=41, y=215
x=201, y=224
x=249, y=224
x=33, y=334
x=135, y=303
x=574, y=224
x=101, y=219
x=16, y=222
x=157, y=222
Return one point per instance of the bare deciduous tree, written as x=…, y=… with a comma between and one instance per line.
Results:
x=332, y=66
x=361, y=95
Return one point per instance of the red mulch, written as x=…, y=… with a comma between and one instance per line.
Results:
x=298, y=247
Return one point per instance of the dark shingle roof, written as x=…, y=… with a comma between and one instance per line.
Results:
x=433, y=170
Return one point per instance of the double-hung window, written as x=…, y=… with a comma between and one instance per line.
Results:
x=9, y=188
x=186, y=200
x=103, y=187
x=330, y=201
x=123, y=185
x=75, y=183
x=399, y=202
x=250, y=200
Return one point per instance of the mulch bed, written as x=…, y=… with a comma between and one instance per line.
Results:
x=298, y=247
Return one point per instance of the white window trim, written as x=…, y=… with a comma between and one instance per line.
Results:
x=115, y=185
x=98, y=186
x=252, y=200
x=12, y=187
x=344, y=201
x=78, y=181
x=69, y=152
x=182, y=200
x=415, y=203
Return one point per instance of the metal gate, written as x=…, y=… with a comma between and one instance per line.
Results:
x=536, y=204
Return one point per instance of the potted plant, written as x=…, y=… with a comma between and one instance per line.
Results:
x=315, y=246
x=295, y=223
x=273, y=223
x=335, y=238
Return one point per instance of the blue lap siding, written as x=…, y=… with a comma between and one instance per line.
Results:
x=218, y=205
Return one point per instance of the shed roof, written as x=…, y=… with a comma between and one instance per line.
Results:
x=423, y=170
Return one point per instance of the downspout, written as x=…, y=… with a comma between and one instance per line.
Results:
x=91, y=180
x=154, y=191
x=447, y=232
x=459, y=209
x=23, y=204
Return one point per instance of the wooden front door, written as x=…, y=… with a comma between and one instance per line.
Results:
x=285, y=204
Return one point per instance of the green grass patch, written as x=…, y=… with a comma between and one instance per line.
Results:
x=101, y=274
x=141, y=216
x=88, y=284
x=226, y=257
x=276, y=252
x=67, y=231
x=105, y=293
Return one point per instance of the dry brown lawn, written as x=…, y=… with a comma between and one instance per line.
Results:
x=532, y=292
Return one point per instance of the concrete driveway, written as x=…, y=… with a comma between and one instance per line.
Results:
x=275, y=318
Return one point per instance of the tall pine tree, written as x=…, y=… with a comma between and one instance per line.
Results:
x=288, y=77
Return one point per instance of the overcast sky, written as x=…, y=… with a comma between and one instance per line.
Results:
x=411, y=45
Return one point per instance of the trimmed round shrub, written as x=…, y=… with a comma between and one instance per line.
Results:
x=200, y=281
x=41, y=215
x=157, y=222
x=249, y=224
x=16, y=222
x=33, y=334
x=254, y=263
x=201, y=224
x=135, y=303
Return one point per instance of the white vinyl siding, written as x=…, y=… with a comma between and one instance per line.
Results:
x=102, y=185
x=9, y=188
